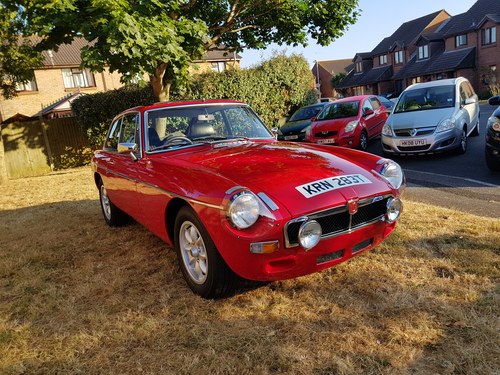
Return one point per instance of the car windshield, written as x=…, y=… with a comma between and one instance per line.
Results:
x=338, y=110
x=426, y=98
x=188, y=125
x=306, y=113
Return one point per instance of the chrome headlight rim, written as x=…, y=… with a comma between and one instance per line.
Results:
x=243, y=210
x=392, y=173
x=309, y=235
x=394, y=209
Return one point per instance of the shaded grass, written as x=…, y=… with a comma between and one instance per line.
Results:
x=79, y=297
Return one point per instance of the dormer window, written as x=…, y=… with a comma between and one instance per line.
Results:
x=382, y=59
x=423, y=52
x=359, y=67
x=461, y=40
x=489, y=36
x=398, y=57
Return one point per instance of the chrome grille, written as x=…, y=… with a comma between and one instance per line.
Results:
x=414, y=132
x=326, y=134
x=338, y=220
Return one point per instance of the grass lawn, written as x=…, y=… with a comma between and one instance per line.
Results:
x=78, y=297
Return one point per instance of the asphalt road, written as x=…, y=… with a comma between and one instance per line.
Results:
x=461, y=182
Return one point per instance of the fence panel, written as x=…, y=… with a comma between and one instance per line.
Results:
x=37, y=147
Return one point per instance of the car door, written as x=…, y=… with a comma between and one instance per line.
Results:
x=369, y=117
x=120, y=170
x=469, y=108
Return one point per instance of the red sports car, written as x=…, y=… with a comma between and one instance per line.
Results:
x=210, y=179
x=349, y=122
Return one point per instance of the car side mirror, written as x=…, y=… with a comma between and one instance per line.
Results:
x=471, y=100
x=494, y=100
x=368, y=112
x=128, y=148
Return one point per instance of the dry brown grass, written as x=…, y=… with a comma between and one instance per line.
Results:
x=79, y=297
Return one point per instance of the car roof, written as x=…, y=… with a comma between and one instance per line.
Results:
x=440, y=82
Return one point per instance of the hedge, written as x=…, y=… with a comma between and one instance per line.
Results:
x=274, y=89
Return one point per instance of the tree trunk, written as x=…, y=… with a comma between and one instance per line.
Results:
x=3, y=168
x=160, y=91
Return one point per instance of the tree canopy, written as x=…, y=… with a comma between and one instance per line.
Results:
x=160, y=38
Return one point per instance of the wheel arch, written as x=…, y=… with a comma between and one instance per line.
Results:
x=171, y=212
x=97, y=179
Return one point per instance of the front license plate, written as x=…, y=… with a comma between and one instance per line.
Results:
x=325, y=141
x=412, y=142
x=332, y=183
x=291, y=137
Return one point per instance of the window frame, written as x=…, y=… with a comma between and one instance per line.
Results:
x=423, y=52
x=86, y=76
x=489, y=36
x=382, y=59
x=399, y=57
x=461, y=40
x=359, y=67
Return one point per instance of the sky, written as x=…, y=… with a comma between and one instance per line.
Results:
x=378, y=19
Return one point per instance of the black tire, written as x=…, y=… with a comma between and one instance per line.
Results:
x=492, y=162
x=202, y=266
x=113, y=216
x=475, y=131
x=462, y=148
x=363, y=141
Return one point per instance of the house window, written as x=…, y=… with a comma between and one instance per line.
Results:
x=218, y=66
x=490, y=35
x=359, y=67
x=27, y=86
x=74, y=77
x=461, y=40
x=382, y=59
x=423, y=52
x=398, y=57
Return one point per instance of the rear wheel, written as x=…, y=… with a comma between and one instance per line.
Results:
x=113, y=216
x=202, y=266
x=363, y=141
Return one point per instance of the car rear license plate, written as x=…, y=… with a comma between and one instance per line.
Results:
x=326, y=141
x=291, y=137
x=412, y=142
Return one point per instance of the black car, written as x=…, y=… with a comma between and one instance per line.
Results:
x=295, y=128
x=493, y=137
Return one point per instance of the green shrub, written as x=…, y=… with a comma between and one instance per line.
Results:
x=276, y=88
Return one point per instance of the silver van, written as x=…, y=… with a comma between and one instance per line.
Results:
x=431, y=117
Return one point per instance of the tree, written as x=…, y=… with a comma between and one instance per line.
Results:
x=17, y=56
x=160, y=38
x=335, y=81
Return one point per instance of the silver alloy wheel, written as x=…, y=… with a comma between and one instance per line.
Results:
x=363, y=141
x=193, y=252
x=106, y=204
x=463, y=141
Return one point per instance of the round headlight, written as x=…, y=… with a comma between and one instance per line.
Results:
x=394, y=208
x=393, y=173
x=243, y=210
x=309, y=234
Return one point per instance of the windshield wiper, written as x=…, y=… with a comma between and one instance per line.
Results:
x=209, y=138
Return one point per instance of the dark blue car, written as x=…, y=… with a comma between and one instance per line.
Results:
x=295, y=128
x=493, y=137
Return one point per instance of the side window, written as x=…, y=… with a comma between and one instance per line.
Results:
x=463, y=94
x=367, y=105
x=113, y=136
x=375, y=103
x=128, y=133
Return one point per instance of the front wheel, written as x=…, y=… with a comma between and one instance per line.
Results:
x=203, y=268
x=492, y=162
x=363, y=141
x=462, y=148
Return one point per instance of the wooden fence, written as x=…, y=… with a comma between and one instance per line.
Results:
x=39, y=147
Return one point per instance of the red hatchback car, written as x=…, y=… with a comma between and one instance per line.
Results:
x=349, y=122
x=209, y=178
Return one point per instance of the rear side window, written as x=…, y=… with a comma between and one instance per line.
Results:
x=375, y=103
x=129, y=128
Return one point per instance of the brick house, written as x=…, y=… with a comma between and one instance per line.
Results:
x=435, y=46
x=60, y=80
x=323, y=71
